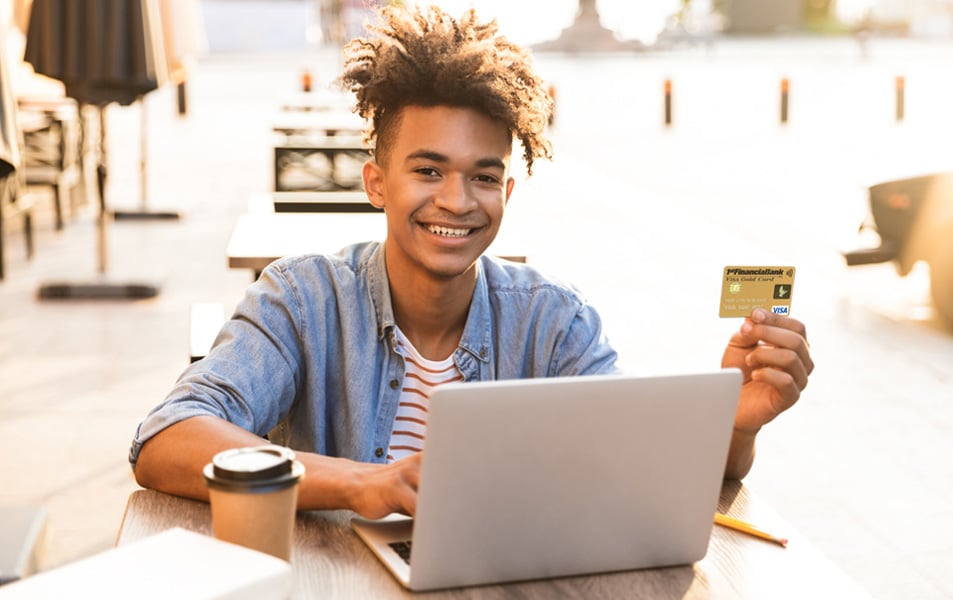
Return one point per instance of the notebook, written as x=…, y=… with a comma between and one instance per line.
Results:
x=538, y=478
x=175, y=563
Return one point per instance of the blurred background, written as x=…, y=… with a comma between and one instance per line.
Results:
x=688, y=136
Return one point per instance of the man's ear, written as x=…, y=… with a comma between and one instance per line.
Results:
x=509, y=189
x=373, y=177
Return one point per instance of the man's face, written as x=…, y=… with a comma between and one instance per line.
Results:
x=443, y=185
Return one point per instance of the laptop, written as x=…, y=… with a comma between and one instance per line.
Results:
x=538, y=478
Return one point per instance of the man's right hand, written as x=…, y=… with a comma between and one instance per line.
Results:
x=380, y=490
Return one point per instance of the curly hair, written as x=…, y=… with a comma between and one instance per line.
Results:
x=424, y=57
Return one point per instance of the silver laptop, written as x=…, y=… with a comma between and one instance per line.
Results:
x=538, y=478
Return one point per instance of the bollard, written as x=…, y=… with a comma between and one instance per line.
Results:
x=900, y=84
x=181, y=98
x=551, y=90
x=785, y=87
x=305, y=80
x=668, y=102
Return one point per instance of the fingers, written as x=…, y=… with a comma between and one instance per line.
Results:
x=759, y=315
x=411, y=474
x=407, y=481
x=754, y=327
x=780, y=333
x=787, y=391
x=773, y=353
x=391, y=488
x=769, y=363
x=403, y=501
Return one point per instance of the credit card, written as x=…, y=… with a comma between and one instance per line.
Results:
x=745, y=288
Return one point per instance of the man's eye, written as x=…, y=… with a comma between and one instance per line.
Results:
x=487, y=179
x=427, y=171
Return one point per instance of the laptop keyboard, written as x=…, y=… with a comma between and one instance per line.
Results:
x=402, y=549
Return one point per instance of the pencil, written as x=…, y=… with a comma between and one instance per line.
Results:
x=732, y=523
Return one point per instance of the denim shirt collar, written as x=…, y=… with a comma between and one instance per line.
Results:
x=380, y=291
x=477, y=332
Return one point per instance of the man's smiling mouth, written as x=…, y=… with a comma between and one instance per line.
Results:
x=448, y=231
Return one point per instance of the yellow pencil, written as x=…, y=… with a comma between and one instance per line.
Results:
x=732, y=523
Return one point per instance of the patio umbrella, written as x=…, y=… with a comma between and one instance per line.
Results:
x=104, y=52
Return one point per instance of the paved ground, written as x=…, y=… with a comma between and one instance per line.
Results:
x=640, y=216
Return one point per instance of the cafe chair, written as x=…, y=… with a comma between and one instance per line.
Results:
x=51, y=156
x=14, y=203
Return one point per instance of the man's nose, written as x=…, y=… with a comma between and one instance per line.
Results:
x=454, y=195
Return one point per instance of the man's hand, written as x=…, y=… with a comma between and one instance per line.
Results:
x=173, y=459
x=383, y=489
x=774, y=357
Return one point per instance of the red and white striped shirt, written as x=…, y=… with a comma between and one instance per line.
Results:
x=421, y=376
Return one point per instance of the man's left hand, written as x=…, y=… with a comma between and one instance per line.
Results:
x=775, y=359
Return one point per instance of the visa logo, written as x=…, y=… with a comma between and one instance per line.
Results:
x=779, y=310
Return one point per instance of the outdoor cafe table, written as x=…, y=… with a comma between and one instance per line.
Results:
x=330, y=561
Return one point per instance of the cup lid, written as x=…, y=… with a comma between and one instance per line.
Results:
x=267, y=466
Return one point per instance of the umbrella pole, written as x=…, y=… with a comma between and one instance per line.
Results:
x=101, y=218
x=99, y=290
x=144, y=212
x=143, y=151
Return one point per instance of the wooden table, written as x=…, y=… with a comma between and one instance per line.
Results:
x=322, y=202
x=262, y=237
x=326, y=123
x=259, y=238
x=317, y=101
x=330, y=561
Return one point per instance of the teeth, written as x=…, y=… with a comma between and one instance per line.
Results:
x=447, y=231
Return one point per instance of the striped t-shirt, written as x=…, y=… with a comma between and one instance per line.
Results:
x=421, y=376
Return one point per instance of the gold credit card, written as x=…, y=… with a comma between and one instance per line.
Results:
x=745, y=288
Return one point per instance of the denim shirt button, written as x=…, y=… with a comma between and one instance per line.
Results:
x=483, y=353
x=379, y=452
x=394, y=384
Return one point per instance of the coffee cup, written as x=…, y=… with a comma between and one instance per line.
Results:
x=253, y=493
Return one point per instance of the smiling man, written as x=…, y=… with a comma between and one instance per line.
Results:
x=335, y=355
x=443, y=184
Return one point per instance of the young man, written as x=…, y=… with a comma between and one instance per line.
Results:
x=335, y=355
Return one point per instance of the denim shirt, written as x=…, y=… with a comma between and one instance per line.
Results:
x=309, y=354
